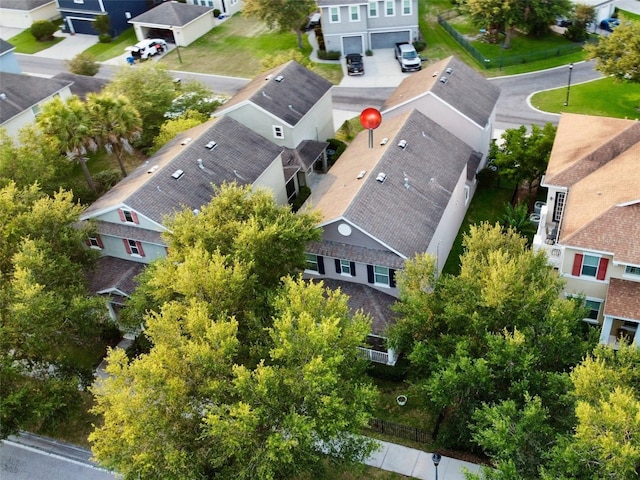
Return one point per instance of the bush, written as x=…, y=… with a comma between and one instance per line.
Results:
x=330, y=55
x=106, y=179
x=419, y=45
x=84, y=64
x=104, y=38
x=102, y=25
x=337, y=146
x=43, y=30
x=216, y=12
x=303, y=194
x=368, y=53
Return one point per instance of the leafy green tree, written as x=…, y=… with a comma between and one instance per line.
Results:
x=286, y=16
x=174, y=126
x=517, y=217
x=84, y=63
x=523, y=155
x=150, y=89
x=102, y=25
x=69, y=122
x=618, y=54
x=187, y=410
x=581, y=17
x=115, y=123
x=194, y=97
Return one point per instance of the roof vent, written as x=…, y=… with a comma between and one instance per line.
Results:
x=381, y=177
x=153, y=169
x=186, y=141
x=402, y=144
x=448, y=70
x=361, y=174
x=436, y=73
x=279, y=78
x=3, y=96
x=196, y=211
x=177, y=174
x=384, y=141
x=211, y=145
x=200, y=165
x=444, y=79
x=269, y=77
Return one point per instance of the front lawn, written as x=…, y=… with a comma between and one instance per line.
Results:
x=27, y=43
x=106, y=51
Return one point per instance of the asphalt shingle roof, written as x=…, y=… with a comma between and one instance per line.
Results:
x=289, y=99
x=21, y=92
x=623, y=299
x=404, y=219
x=240, y=155
x=465, y=89
x=111, y=272
x=5, y=46
x=171, y=14
x=82, y=84
x=26, y=5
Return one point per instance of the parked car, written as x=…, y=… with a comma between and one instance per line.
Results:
x=563, y=22
x=147, y=48
x=609, y=24
x=407, y=57
x=355, y=66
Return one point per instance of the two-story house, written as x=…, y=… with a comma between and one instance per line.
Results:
x=590, y=224
x=22, y=13
x=22, y=98
x=382, y=205
x=78, y=14
x=226, y=7
x=354, y=26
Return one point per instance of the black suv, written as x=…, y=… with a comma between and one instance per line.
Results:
x=354, y=64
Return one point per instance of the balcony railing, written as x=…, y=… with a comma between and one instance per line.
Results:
x=376, y=356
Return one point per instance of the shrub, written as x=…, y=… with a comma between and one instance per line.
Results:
x=43, y=30
x=368, y=53
x=330, y=55
x=419, y=45
x=337, y=147
x=104, y=38
x=303, y=194
x=102, y=25
x=216, y=12
x=84, y=64
x=106, y=179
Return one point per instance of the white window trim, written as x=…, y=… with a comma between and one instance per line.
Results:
x=342, y=267
x=278, y=131
x=375, y=15
x=594, y=276
x=379, y=284
x=356, y=9
x=393, y=12
x=331, y=10
x=308, y=270
x=467, y=194
x=410, y=7
x=94, y=243
x=125, y=213
x=132, y=247
x=632, y=276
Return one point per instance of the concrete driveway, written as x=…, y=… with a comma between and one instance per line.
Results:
x=380, y=70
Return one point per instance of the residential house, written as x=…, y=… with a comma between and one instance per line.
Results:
x=225, y=7
x=176, y=22
x=82, y=85
x=79, y=14
x=8, y=61
x=291, y=106
x=590, y=224
x=603, y=8
x=454, y=96
x=22, y=98
x=22, y=13
x=355, y=26
x=382, y=205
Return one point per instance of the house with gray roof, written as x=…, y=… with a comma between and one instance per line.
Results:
x=226, y=7
x=78, y=15
x=8, y=61
x=454, y=96
x=22, y=98
x=179, y=23
x=382, y=205
x=22, y=13
x=355, y=26
x=82, y=85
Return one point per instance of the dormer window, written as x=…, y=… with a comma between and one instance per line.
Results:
x=128, y=216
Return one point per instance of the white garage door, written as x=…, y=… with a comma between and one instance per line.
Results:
x=352, y=45
x=389, y=39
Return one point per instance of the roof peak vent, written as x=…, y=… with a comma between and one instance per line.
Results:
x=448, y=70
x=361, y=174
x=384, y=141
x=269, y=77
x=444, y=79
x=200, y=165
x=153, y=169
x=186, y=141
x=211, y=145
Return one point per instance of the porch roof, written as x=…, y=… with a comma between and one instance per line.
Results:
x=623, y=299
x=114, y=273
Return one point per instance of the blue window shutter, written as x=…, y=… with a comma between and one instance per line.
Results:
x=320, y=265
x=352, y=267
x=370, y=277
x=338, y=269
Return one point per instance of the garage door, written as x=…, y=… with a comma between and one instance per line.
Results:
x=389, y=39
x=351, y=45
x=83, y=26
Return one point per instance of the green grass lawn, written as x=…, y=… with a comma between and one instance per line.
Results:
x=604, y=97
x=106, y=51
x=27, y=44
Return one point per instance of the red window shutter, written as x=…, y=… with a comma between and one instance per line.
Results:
x=577, y=265
x=87, y=242
x=99, y=240
x=602, y=268
x=121, y=213
x=134, y=216
x=140, y=250
x=126, y=245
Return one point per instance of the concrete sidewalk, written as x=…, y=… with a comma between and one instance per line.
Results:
x=418, y=464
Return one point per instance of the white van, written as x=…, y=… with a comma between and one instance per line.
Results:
x=147, y=48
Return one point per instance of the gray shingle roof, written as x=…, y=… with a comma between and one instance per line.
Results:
x=82, y=84
x=111, y=272
x=24, y=91
x=304, y=155
x=289, y=99
x=240, y=155
x=171, y=14
x=26, y=5
x=356, y=253
x=5, y=46
x=406, y=218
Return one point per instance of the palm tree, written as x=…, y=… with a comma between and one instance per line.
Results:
x=115, y=123
x=68, y=122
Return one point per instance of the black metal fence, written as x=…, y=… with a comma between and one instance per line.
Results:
x=401, y=431
x=503, y=60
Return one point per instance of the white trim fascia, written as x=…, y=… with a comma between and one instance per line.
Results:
x=629, y=203
x=588, y=250
x=459, y=112
x=112, y=290
x=75, y=10
x=625, y=319
x=345, y=4
x=124, y=206
x=412, y=99
x=41, y=102
x=342, y=218
x=618, y=263
x=559, y=188
x=219, y=113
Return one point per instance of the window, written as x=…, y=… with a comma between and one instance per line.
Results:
x=334, y=14
x=373, y=9
x=95, y=242
x=133, y=247
x=35, y=110
x=406, y=7
x=315, y=263
x=589, y=266
x=629, y=270
x=354, y=13
x=593, y=307
x=389, y=8
x=467, y=194
x=78, y=1
x=381, y=275
x=128, y=216
x=278, y=131
x=559, y=206
x=345, y=267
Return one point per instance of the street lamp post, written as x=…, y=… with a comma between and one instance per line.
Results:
x=566, y=103
x=436, y=457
